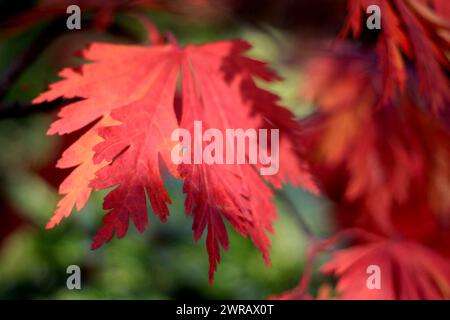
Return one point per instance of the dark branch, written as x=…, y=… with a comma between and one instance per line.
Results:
x=24, y=109
x=45, y=37
x=42, y=41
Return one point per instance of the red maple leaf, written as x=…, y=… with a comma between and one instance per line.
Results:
x=408, y=271
x=376, y=267
x=382, y=156
x=136, y=87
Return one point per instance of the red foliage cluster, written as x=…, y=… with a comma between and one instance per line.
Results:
x=378, y=145
x=136, y=87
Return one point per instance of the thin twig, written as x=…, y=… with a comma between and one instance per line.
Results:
x=297, y=215
x=24, y=109
x=44, y=39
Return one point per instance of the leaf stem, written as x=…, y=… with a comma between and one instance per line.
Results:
x=296, y=214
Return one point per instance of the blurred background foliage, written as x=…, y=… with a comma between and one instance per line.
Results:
x=164, y=262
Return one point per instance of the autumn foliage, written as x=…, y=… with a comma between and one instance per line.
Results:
x=377, y=144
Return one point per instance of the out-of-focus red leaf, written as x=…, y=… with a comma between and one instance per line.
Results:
x=11, y=220
x=418, y=31
x=385, y=156
x=408, y=271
